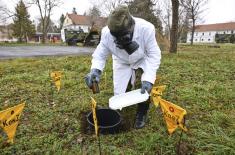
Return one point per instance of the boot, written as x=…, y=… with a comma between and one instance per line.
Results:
x=141, y=115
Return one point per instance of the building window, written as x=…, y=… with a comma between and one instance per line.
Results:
x=209, y=33
x=196, y=34
x=202, y=39
x=195, y=39
x=232, y=32
x=209, y=39
x=203, y=33
x=224, y=32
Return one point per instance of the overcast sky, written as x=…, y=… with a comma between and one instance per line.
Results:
x=218, y=10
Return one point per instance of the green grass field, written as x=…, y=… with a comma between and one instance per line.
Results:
x=198, y=78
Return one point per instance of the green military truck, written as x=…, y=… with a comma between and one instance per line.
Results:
x=72, y=37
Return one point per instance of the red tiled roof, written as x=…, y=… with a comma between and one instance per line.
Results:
x=215, y=27
x=87, y=20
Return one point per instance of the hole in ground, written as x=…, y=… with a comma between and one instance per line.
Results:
x=127, y=121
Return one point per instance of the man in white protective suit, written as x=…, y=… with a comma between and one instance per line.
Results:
x=136, y=56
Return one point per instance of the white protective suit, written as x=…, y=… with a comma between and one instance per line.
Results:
x=147, y=56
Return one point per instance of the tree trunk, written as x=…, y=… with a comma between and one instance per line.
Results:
x=174, y=27
x=44, y=33
x=44, y=37
x=26, y=37
x=193, y=30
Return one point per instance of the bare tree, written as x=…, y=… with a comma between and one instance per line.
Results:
x=194, y=9
x=2, y=15
x=5, y=13
x=45, y=8
x=94, y=13
x=106, y=6
x=183, y=26
x=174, y=27
x=166, y=16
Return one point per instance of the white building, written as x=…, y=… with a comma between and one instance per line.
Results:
x=77, y=22
x=6, y=34
x=206, y=33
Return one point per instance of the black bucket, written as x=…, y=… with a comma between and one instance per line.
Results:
x=108, y=120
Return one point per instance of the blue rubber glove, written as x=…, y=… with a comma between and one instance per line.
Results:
x=93, y=76
x=146, y=86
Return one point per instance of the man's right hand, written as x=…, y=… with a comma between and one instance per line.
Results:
x=93, y=76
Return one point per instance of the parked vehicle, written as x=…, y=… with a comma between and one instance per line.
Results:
x=73, y=37
x=92, y=39
x=225, y=38
x=87, y=39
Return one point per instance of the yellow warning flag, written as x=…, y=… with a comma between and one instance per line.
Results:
x=56, y=76
x=9, y=120
x=156, y=94
x=93, y=103
x=174, y=115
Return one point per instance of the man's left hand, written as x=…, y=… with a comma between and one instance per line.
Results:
x=146, y=86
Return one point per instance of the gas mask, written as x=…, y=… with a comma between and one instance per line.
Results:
x=123, y=40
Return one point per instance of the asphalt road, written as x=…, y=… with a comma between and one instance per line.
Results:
x=34, y=51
